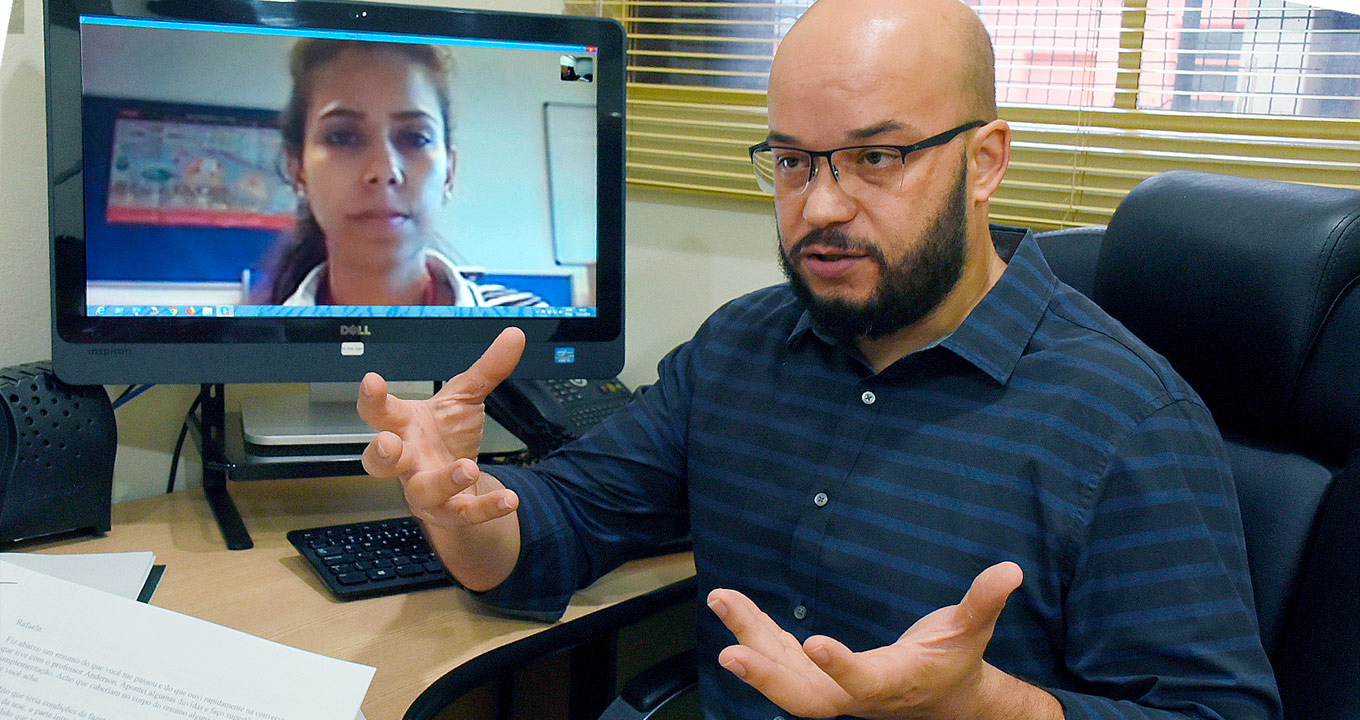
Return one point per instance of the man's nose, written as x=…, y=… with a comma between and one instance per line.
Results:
x=825, y=202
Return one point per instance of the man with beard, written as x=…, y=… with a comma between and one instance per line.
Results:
x=924, y=479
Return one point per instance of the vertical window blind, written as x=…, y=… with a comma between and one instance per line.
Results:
x=1100, y=93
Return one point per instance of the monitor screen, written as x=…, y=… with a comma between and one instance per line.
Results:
x=305, y=191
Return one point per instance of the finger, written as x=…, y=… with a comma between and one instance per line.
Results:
x=493, y=367
x=473, y=509
x=853, y=672
x=757, y=670
x=802, y=691
x=986, y=598
x=376, y=407
x=753, y=628
x=381, y=455
x=432, y=490
x=830, y=655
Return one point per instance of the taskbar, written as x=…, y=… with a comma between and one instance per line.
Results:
x=325, y=311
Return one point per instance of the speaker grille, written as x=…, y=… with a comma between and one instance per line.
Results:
x=57, y=473
x=51, y=419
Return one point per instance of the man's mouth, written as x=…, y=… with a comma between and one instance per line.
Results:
x=825, y=254
x=831, y=262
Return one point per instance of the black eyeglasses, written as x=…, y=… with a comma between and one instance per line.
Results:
x=785, y=171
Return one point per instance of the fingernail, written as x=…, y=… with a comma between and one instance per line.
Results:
x=503, y=504
x=718, y=607
x=382, y=451
x=819, y=655
x=736, y=668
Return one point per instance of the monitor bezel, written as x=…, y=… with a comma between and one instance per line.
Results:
x=114, y=350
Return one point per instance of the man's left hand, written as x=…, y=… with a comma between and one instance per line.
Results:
x=935, y=669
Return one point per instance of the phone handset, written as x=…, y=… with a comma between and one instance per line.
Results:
x=545, y=414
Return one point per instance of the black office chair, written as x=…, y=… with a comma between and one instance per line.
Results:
x=1251, y=289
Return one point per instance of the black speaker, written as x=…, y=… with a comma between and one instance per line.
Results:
x=57, y=443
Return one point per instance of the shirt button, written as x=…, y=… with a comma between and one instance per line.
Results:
x=800, y=612
x=868, y=397
x=819, y=499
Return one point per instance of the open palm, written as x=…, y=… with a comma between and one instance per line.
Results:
x=932, y=670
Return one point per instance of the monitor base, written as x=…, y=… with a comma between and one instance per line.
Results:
x=325, y=420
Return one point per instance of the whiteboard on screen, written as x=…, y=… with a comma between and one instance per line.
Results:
x=571, y=180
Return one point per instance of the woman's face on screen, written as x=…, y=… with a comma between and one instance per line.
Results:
x=374, y=166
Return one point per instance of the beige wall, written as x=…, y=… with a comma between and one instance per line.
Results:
x=686, y=256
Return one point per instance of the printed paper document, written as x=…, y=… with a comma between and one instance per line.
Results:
x=122, y=574
x=69, y=651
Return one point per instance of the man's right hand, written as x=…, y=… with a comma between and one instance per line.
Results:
x=431, y=446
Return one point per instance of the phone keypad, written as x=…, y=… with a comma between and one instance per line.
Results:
x=587, y=402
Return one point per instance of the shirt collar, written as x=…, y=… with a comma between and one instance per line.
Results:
x=995, y=334
x=445, y=270
x=441, y=267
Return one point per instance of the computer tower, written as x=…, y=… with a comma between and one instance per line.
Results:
x=57, y=444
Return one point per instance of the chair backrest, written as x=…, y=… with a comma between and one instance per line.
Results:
x=1251, y=289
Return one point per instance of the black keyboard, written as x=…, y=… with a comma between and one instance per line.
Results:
x=367, y=559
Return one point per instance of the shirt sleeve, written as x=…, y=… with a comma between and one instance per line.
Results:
x=613, y=495
x=1160, y=617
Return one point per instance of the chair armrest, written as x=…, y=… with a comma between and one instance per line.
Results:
x=652, y=688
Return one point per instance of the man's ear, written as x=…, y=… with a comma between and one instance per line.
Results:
x=989, y=154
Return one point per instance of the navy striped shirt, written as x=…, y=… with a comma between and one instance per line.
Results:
x=850, y=504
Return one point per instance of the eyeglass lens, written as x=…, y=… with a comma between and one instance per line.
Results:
x=789, y=171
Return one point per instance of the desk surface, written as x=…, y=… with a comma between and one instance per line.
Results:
x=268, y=591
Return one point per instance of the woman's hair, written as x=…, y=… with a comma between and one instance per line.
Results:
x=305, y=248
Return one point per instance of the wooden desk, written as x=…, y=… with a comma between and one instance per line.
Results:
x=413, y=640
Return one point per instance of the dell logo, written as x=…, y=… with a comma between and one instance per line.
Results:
x=346, y=330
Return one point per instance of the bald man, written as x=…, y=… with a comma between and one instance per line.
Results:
x=924, y=478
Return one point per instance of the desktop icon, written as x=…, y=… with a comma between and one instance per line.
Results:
x=224, y=311
x=207, y=311
x=172, y=310
x=153, y=311
x=100, y=310
x=190, y=310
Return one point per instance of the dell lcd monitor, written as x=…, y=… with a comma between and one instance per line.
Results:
x=250, y=192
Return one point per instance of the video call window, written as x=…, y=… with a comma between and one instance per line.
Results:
x=191, y=196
